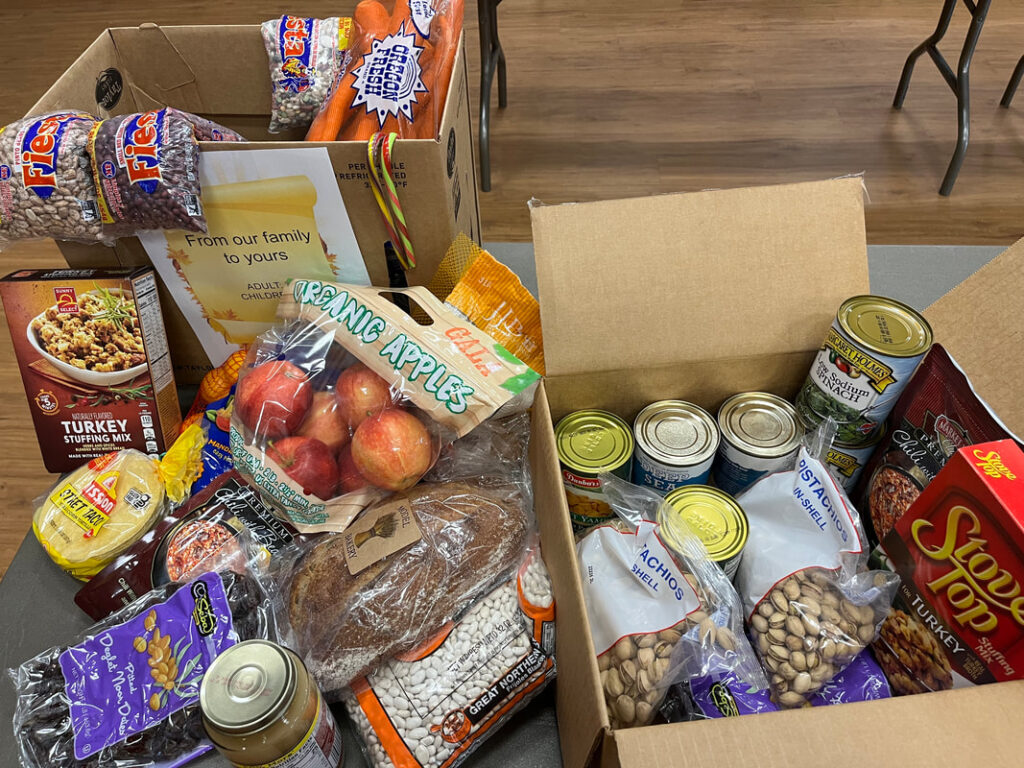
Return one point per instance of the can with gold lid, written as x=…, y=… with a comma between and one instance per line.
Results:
x=676, y=443
x=589, y=443
x=846, y=462
x=713, y=516
x=867, y=358
x=261, y=708
x=760, y=434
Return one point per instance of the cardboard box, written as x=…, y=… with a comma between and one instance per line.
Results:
x=699, y=296
x=221, y=72
x=94, y=360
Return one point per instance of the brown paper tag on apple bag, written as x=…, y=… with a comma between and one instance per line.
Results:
x=450, y=369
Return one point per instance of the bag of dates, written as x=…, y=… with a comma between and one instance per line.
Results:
x=811, y=605
x=146, y=170
x=351, y=398
x=203, y=535
x=937, y=414
x=721, y=694
x=657, y=614
x=146, y=663
x=958, y=617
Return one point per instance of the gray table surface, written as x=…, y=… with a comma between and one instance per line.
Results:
x=37, y=612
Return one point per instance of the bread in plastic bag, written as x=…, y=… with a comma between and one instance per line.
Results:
x=444, y=699
x=46, y=185
x=351, y=399
x=656, y=616
x=305, y=56
x=146, y=170
x=413, y=562
x=126, y=693
x=811, y=605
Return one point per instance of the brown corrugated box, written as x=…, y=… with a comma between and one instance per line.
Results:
x=221, y=72
x=699, y=296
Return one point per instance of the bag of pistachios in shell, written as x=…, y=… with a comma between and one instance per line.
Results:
x=811, y=604
x=657, y=615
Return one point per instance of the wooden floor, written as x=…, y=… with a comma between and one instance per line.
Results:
x=612, y=99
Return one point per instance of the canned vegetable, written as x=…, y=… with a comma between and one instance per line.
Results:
x=760, y=435
x=870, y=352
x=589, y=443
x=675, y=445
x=710, y=514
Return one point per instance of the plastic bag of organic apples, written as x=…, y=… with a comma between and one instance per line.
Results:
x=350, y=398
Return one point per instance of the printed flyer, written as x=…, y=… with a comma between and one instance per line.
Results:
x=272, y=214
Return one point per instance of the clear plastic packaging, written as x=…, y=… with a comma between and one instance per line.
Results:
x=458, y=688
x=305, y=56
x=351, y=399
x=811, y=605
x=657, y=616
x=46, y=186
x=721, y=694
x=145, y=664
x=414, y=42
x=412, y=563
x=146, y=171
x=207, y=130
x=92, y=515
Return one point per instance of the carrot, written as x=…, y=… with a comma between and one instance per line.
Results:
x=371, y=17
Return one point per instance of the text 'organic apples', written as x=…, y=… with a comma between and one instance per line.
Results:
x=272, y=399
x=308, y=462
x=392, y=449
x=361, y=393
x=325, y=422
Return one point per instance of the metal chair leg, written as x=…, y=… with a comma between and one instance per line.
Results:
x=928, y=45
x=486, y=75
x=1011, y=87
x=502, y=74
x=963, y=96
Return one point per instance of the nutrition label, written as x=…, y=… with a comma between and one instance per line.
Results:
x=148, y=305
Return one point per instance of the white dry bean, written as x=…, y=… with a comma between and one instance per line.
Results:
x=426, y=699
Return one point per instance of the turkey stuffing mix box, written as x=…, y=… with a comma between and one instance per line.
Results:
x=220, y=72
x=766, y=269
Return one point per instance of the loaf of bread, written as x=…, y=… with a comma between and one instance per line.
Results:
x=346, y=625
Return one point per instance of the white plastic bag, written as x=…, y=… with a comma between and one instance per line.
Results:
x=657, y=616
x=811, y=604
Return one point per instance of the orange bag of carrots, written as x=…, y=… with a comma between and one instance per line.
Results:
x=399, y=65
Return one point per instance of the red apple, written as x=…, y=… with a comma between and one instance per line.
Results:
x=349, y=479
x=273, y=398
x=308, y=462
x=361, y=393
x=392, y=449
x=325, y=422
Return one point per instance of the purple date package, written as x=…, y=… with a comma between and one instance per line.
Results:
x=136, y=674
x=721, y=695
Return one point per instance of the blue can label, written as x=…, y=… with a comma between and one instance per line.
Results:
x=663, y=477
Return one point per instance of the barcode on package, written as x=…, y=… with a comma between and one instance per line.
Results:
x=90, y=210
x=192, y=205
x=148, y=304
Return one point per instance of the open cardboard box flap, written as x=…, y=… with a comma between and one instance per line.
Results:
x=707, y=294
x=981, y=323
x=697, y=276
